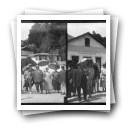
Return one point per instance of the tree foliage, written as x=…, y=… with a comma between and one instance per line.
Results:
x=47, y=36
x=100, y=38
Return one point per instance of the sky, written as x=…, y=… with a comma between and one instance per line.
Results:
x=73, y=29
x=25, y=27
x=76, y=29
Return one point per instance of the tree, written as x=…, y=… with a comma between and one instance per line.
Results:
x=100, y=38
x=24, y=42
x=48, y=36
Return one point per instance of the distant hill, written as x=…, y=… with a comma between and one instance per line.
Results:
x=70, y=37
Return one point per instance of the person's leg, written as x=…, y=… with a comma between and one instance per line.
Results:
x=97, y=84
x=94, y=84
x=41, y=87
x=69, y=87
x=53, y=83
x=26, y=85
x=57, y=85
x=79, y=93
x=90, y=88
x=37, y=86
x=30, y=85
x=84, y=93
x=64, y=88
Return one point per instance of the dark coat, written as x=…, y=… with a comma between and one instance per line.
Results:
x=96, y=72
x=84, y=80
x=78, y=78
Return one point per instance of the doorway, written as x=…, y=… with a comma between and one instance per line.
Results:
x=98, y=60
x=75, y=58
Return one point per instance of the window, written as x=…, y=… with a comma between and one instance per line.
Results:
x=87, y=42
x=40, y=58
x=57, y=58
x=45, y=57
x=75, y=58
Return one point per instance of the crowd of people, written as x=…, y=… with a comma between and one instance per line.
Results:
x=87, y=77
x=84, y=78
x=44, y=81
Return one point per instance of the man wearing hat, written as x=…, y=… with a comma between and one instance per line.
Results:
x=78, y=81
x=38, y=79
x=96, y=77
x=62, y=79
x=70, y=80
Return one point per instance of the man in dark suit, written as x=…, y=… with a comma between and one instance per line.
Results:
x=83, y=80
x=38, y=79
x=70, y=81
x=78, y=81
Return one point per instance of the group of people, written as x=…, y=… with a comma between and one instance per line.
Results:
x=44, y=81
x=86, y=76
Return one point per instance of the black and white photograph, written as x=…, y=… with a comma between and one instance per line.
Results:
x=87, y=62
x=63, y=62
x=43, y=62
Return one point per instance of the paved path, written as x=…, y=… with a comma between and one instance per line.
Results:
x=42, y=98
x=96, y=98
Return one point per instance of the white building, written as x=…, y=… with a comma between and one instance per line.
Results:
x=44, y=56
x=25, y=52
x=85, y=46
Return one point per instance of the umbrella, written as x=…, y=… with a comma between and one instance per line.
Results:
x=53, y=66
x=26, y=61
x=43, y=63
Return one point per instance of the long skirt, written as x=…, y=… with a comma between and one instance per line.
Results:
x=48, y=84
x=56, y=84
x=103, y=82
x=89, y=86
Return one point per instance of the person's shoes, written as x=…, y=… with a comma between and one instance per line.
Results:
x=80, y=101
x=85, y=100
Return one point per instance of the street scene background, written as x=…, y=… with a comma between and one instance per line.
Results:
x=43, y=62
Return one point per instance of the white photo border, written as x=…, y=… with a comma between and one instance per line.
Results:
x=63, y=107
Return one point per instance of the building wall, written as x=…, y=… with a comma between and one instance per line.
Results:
x=77, y=48
x=81, y=42
x=37, y=58
x=92, y=55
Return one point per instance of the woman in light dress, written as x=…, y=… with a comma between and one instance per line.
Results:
x=103, y=77
x=47, y=81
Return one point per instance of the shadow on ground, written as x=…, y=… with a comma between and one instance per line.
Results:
x=26, y=98
x=93, y=98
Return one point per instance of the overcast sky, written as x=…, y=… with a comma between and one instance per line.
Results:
x=74, y=29
x=25, y=27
